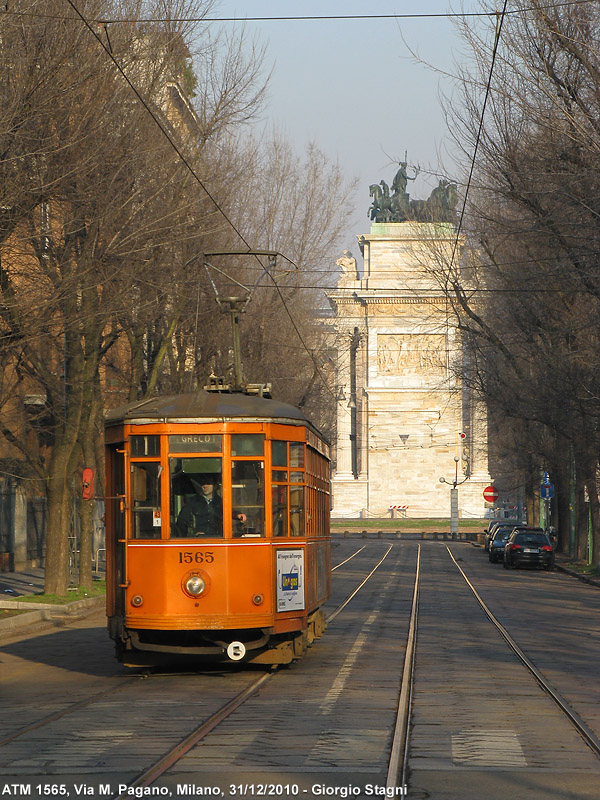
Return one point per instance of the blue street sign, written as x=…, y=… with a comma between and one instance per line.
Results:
x=547, y=491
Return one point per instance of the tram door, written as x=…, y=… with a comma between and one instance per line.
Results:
x=115, y=525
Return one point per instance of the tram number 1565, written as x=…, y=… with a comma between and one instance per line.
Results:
x=196, y=558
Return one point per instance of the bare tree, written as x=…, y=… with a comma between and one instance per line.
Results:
x=533, y=218
x=298, y=206
x=108, y=198
x=95, y=202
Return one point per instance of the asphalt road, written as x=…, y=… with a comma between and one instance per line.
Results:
x=482, y=728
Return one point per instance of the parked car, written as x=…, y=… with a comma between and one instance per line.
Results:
x=493, y=526
x=489, y=531
x=497, y=542
x=528, y=546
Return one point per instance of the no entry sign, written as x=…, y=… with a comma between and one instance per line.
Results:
x=490, y=494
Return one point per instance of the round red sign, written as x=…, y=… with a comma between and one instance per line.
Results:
x=490, y=493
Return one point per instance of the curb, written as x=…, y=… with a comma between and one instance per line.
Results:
x=578, y=575
x=49, y=613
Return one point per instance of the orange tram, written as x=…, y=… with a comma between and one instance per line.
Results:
x=217, y=522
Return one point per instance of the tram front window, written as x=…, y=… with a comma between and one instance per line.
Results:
x=247, y=486
x=196, y=499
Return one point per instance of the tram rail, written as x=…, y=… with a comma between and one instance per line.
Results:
x=345, y=561
x=398, y=760
x=71, y=709
x=399, y=753
x=177, y=752
x=183, y=746
x=586, y=733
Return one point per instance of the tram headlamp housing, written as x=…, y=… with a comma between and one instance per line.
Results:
x=195, y=585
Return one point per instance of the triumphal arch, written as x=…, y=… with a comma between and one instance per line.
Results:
x=405, y=419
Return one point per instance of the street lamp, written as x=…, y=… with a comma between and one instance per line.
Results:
x=454, y=499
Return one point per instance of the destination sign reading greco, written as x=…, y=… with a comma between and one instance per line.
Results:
x=196, y=443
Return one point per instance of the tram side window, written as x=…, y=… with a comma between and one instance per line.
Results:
x=279, y=454
x=288, y=499
x=296, y=510
x=279, y=475
x=280, y=511
x=196, y=498
x=296, y=492
x=248, y=498
x=297, y=455
x=147, y=514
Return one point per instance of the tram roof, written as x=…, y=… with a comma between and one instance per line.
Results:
x=202, y=406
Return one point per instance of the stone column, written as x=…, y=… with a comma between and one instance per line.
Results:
x=479, y=440
x=344, y=449
x=19, y=545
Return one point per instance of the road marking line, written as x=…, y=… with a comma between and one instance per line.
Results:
x=500, y=748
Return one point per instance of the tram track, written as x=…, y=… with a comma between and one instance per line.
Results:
x=175, y=754
x=586, y=733
x=482, y=712
x=122, y=684
x=357, y=633
x=345, y=561
x=226, y=709
x=400, y=738
x=343, y=605
x=71, y=709
x=397, y=775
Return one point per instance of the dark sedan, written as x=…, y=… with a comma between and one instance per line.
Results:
x=530, y=547
x=497, y=542
x=493, y=527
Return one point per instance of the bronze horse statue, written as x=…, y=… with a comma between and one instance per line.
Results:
x=440, y=206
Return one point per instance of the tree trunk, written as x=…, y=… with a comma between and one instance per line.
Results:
x=91, y=433
x=595, y=508
x=581, y=527
x=562, y=510
x=57, y=534
x=86, y=555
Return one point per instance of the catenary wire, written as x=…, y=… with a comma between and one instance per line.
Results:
x=195, y=175
x=500, y=19
x=312, y=18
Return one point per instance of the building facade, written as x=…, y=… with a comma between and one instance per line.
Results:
x=404, y=418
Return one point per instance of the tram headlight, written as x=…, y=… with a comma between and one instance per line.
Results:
x=195, y=585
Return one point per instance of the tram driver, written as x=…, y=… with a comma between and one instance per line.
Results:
x=202, y=513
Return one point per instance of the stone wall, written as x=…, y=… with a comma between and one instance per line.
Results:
x=403, y=421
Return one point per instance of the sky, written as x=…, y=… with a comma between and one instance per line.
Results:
x=354, y=87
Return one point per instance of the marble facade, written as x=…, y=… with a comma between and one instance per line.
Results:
x=403, y=419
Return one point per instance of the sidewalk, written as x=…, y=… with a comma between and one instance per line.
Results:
x=17, y=584
x=593, y=581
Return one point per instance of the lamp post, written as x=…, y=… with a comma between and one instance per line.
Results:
x=454, y=499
